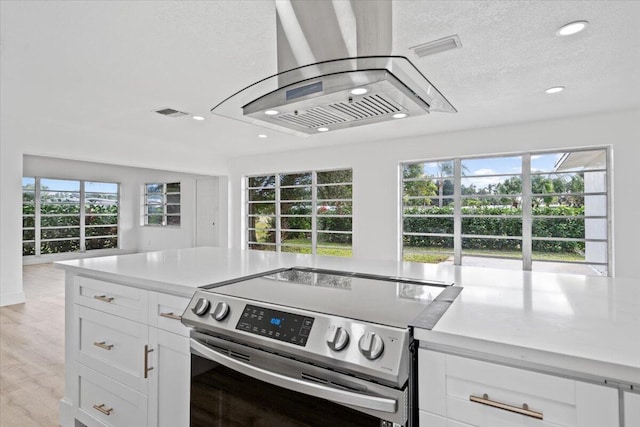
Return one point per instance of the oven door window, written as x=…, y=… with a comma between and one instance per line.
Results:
x=221, y=397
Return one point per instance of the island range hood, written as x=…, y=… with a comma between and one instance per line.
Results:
x=335, y=71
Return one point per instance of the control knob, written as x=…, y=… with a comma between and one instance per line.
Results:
x=337, y=338
x=371, y=345
x=220, y=311
x=201, y=307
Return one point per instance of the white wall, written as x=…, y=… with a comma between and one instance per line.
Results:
x=376, y=175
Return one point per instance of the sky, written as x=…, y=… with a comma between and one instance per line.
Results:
x=69, y=185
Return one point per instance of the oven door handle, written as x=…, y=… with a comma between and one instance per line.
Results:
x=320, y=390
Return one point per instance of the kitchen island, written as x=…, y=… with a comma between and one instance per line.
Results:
x=535, y=326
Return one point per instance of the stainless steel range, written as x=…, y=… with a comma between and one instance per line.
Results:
x=308, y=347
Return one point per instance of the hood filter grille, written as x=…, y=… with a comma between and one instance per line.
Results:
x=367, y=107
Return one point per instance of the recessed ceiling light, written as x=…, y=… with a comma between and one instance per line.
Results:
x=262, y=135
x=359, y=91
x=322, y=129
x=271, y=112
x=555, y=89
x=399, y=115
x=198, y=118
x=572, y=28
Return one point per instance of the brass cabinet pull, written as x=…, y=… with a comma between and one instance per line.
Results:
x=103, y=345
x=524, y=410
x=103, y=298
x=147, y=368
x=101, y=408
x=171, y=316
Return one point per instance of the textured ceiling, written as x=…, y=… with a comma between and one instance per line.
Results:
x=104, y=66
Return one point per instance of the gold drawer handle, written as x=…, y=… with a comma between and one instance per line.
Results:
x=171, y=316
x=103, y=345
x=101, y=408
x=524, y=410
x=103, y=298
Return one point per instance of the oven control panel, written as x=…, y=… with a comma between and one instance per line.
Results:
x=275, y=324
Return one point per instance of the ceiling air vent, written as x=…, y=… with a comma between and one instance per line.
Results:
x=170, y=112
x=437, y=46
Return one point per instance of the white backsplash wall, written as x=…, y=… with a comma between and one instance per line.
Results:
x=376, y=174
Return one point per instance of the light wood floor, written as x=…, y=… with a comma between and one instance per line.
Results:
x=32, y=351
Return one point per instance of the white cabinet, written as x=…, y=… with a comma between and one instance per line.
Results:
x=128, y=358
x=169, y=380
x=631, y=409
x=456, y=391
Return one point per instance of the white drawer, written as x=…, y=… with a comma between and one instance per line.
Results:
x=104, y=402
x=447, y=384
x=165, y=312
x=428, y=419
x=113, y=346
x=121, y=300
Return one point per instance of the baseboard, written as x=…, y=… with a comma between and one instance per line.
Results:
x=11, y=299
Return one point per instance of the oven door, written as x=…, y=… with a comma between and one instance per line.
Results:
x=236, y=385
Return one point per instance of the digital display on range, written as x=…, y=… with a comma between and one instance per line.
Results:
x=275, y=324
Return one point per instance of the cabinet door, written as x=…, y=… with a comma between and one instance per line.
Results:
x=631, y=409
x=169, y=379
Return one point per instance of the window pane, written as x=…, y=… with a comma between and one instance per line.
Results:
x=173, y=209
x=297, y=208
x=101, y=231
x=491, y=185
x=28, y=221
x=262, y=247
x=296, y=238
x=296, y=179
x=101, y=243
x=335, y=224
x=442, y=225
x=335, y=192
x=155, y=209
x=488, y=226
x=28, y=234
x=173, y=187
x=59, y=221
x=295, y=223
x=500, y=248
x=491, y=166
x=334, y=208
x=427, y=249
x=104, y=188
x=154, y=219
x=261, y=194
x=574, y=160
x=557, y=250
x=492, y=205
x=430, y=205
x=558, y=227
x=59, y=185
x=173, y=198
x=337, y=176
x=262, y=209
x=439, y=169
x=28, y=248
x=296, y=193
x=173, y=220
x=59, y=246
x=262, y=181
x=59, y=233
x=155, y=188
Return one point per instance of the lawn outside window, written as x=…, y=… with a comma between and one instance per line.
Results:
x=546, y=211
x=301, y=212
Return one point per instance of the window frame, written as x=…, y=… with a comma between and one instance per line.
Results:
x=527, y=216
x=277, y=216
x=165, y=193
x=38, y=215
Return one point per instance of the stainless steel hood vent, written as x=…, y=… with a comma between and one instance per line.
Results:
x=335, y=71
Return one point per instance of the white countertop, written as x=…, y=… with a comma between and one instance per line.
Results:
x=574, y=324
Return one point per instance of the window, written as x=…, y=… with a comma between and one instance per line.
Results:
x=68, y=216
x=306, y=212
x=162, y=204
x=545, y=211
